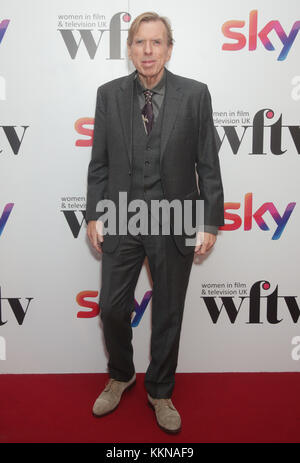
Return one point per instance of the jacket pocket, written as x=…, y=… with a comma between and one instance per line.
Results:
x=193, y=194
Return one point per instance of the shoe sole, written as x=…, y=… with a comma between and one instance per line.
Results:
x=113, y=409
x=169, y=431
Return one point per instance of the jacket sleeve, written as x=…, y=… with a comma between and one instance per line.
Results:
x=208, y=166
x=98, y=166
x=213, y=229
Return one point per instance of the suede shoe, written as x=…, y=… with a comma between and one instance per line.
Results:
x=166, y=414
x=111, y=395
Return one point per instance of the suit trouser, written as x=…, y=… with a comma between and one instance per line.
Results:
x=170, y=272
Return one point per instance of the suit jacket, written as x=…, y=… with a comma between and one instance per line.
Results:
x=188, y=145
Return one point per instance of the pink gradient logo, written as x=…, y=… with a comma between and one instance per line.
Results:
x=241, y=39
x=80, y=127
x=236, y=220
x=93, y=308
x=3, y=26
x=4, y=217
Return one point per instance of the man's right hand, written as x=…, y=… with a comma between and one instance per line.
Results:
x=95, y=234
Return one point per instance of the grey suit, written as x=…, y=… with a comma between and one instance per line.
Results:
x=187, y=139
x=182, y=138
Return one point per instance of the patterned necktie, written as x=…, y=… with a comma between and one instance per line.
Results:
x=147, y=111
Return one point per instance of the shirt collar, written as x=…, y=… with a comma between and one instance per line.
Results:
x=159, y=87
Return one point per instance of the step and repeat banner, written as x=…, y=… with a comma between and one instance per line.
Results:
x=242, y=309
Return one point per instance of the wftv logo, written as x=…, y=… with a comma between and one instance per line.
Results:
x=12, y=138
x=258, y=133
x=241, y=40
x=94, y=309
x=249, y=215
x=254, y=299
x=16, y=306
x=91, y=45
x=73, y=209
x=4, y=217
x=3, y=27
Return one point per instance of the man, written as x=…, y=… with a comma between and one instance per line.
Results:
x=152, y=129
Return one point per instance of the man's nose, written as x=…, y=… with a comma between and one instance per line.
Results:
x=148, y=48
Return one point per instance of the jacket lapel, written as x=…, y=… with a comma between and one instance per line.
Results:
x=173, y=97
x=125, y=107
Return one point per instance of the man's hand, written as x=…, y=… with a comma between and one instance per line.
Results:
x=95, y=234
x=205, y=241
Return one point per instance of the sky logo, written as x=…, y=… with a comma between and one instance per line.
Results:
x=258, y=215
x=263, y=34
x=5, y=214
x=3, y=26
x=93, y=308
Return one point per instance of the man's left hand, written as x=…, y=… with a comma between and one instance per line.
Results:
x=204, y=243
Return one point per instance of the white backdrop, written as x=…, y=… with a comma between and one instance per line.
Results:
x=241, y=311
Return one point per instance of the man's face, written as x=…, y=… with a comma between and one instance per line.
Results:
x=149, y=50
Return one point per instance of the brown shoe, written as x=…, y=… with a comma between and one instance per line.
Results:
x=166, y=414
x=111, y=395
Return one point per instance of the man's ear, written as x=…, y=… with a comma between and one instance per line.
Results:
x=129, y=51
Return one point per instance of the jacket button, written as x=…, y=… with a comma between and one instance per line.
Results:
x=129, y=172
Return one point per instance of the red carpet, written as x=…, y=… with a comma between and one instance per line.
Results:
x=214, y=407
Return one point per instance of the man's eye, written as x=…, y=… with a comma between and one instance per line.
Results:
x=157, y=42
